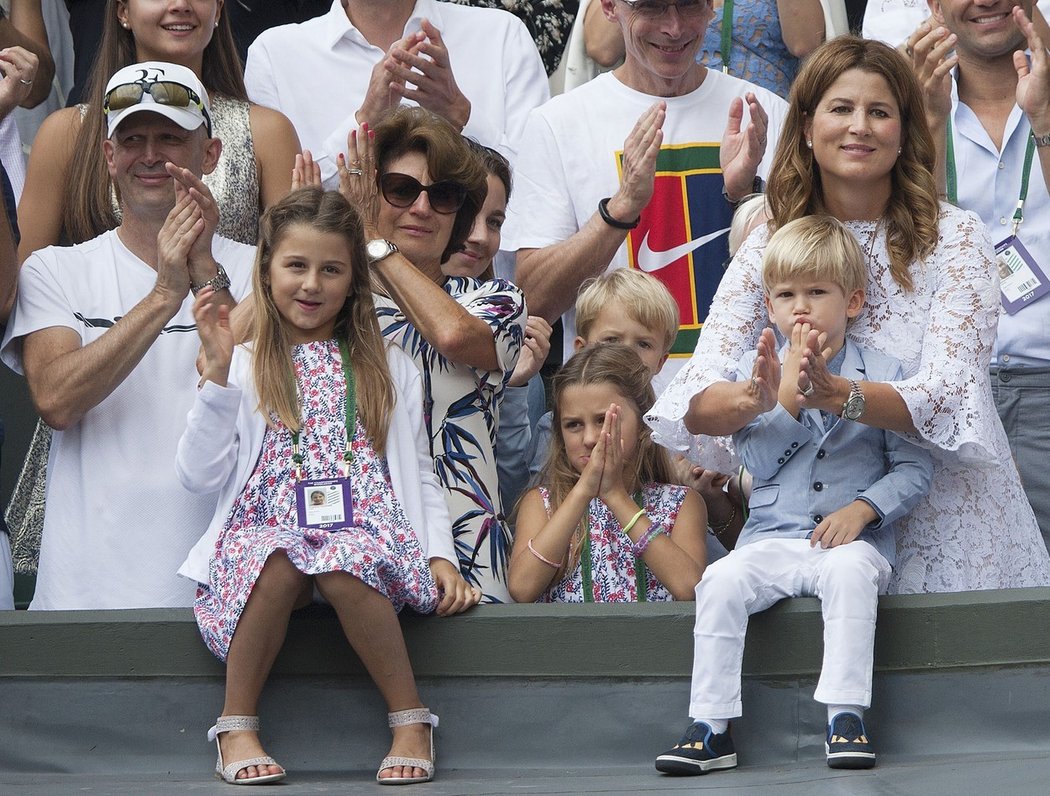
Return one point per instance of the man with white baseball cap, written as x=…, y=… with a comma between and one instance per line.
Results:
x=104, y=333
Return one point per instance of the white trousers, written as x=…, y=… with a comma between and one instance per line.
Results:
x=847, y=579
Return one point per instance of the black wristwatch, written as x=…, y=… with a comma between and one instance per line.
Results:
x=758, y=186
x=853, y=409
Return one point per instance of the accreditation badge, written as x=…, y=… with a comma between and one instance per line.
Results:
x=324, y=503
x=1021, y=281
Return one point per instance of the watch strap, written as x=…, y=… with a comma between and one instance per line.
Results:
x=603, y=211
x=388, y=248
x=221, y=281
x=855, y=396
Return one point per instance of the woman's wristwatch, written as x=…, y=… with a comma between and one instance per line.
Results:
x=853, y=408
x=378, y=249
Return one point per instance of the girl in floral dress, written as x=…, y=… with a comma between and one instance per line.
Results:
x=312, y=434
x=607, y=524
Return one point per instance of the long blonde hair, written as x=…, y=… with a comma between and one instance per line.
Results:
x=795, y=189
x=619, y=366
x=322, y=211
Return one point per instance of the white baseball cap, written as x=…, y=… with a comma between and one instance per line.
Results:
x=168, y=89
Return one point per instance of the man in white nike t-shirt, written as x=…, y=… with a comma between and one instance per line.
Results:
x=661, y=141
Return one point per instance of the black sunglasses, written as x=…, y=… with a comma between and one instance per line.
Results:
x=400, y=190
x=164, y=92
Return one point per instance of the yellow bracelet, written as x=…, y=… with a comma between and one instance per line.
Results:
x=634, y=519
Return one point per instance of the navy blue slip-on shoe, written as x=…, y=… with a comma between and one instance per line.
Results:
x=699, y=751
x=847, y=743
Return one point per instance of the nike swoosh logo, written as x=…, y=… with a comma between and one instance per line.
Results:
x=649, y=260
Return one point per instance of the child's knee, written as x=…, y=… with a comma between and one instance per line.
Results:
x=279, y=575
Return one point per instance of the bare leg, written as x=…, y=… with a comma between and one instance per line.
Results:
x=260, y=633
x=371, y=626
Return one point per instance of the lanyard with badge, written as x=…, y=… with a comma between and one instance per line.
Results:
x=325, y=503
x=727, y=34
x=641, y=573
x=1021, y=279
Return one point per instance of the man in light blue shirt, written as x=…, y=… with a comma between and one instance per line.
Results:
x=996, y=109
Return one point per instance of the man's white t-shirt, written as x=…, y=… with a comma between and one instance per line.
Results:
x=570, y=159
x=317, y=74
x=117, y=523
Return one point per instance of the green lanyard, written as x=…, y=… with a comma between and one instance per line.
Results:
x=351, y=417
x=727, y=34
x=952, y=182
x=641, y=574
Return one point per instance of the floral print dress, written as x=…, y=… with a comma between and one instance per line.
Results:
x=381, y=549
x=461, y=414
x=613, y=572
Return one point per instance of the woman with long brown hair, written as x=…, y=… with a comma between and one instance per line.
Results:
x=856, y=146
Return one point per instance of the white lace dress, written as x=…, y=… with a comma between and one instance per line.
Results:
x=975, y=530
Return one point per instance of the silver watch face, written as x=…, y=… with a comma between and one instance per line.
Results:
x=854, y=407
x=378, y=249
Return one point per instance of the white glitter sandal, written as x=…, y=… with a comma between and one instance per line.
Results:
x=229, y=773
x=401, y=718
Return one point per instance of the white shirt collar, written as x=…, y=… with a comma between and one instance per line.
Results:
x=338, y=25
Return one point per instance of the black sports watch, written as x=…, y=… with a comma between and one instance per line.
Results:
x=853, y=409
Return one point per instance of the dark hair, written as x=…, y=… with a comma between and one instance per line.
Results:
x=493, y=162
x=499, y=167
x=88, y=209
x=449, y=157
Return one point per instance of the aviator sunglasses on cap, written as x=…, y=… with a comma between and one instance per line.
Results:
x=400, y=190
x=164, y=92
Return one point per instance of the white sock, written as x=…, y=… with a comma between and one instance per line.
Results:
x=834, y=710
x=718, y=726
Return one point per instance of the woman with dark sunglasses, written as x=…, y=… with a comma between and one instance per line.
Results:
x=419, y=187
x=68, y=195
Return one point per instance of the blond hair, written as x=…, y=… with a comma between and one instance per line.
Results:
x=748, y=214
x=816, y=248
x=619, y=366
x=642, y=296
x=356, y=323
x=795, y=189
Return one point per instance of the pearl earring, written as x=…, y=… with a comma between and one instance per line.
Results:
x=809, y=143
x=899, y=150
